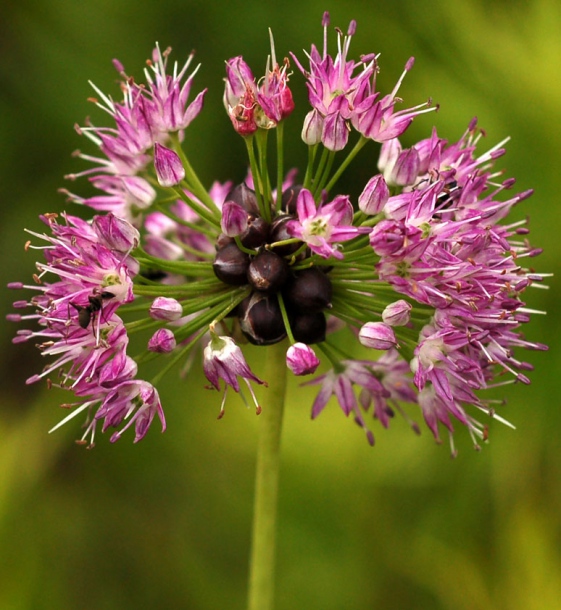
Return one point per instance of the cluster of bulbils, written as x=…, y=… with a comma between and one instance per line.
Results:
x=419, y=268
x=305, y=293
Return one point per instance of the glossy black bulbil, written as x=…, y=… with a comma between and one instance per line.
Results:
x=306, y=293
x=231, y=265
x=267, y=272
x=261, y=319
x=309, y=291
x=309, y=327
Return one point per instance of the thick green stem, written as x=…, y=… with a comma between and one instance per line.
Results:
x=262, y=559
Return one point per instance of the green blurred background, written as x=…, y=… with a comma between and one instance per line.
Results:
x=165, y=524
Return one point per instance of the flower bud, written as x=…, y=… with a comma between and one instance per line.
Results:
x=309, y=327
x=261, y=319
x=406, y=168
x=164, y=308
x=168, y=166
x=388, y=156
x=374, y=196
x=231, y=265
x=301, y=359
x=335, y=133
x=267, y=271
x=234, y=219
x=286, y=102
x=397, y=314
x=116, y=233
x=310, y=291
x=377, y=335
x=313, y=128
x=162, y=341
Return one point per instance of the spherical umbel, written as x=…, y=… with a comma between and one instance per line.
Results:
x=268, y=271
x=231, y=265
x=261, y=319
x=309, y=291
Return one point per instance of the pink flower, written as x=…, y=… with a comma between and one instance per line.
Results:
x=125, y=196
x=240, y=97
x=321, y=227
x=334, y=89
x=78, y=324
x=166, y=104
x=339, y=382
x=251, y=107
x=376, y=117
x=135, y=400
x=223, y=359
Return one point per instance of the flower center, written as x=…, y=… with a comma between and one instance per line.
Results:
x=318, y=226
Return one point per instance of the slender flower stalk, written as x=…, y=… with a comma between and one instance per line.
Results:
x=263, y=545
x=419, y=265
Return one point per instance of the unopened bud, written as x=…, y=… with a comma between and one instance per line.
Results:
x=168, y=166
x=116, y=233
x=406, y=168
x=388, y=156
x=301, y=359
x=313, y=128
x=162, y=341
x=165, y=308
x=374, y=196
x=377, y=335
x=234, y=219
x=397, y=314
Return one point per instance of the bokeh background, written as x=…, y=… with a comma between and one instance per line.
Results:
x=166, y=524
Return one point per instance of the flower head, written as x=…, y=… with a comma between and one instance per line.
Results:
x=423, y=268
